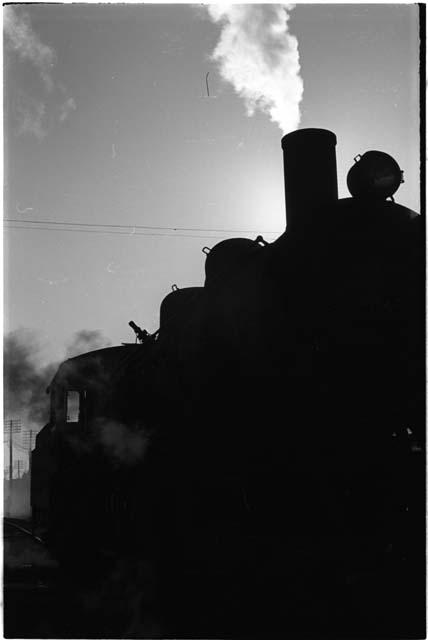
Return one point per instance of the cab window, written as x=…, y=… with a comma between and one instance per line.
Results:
x=73, y=406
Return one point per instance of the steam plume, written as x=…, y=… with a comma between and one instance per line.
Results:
x=21, y=37
x=86, y=340
x=260, y=58
x=33, y=116
x=25, y=381
x=123, y=445
x=30, y=115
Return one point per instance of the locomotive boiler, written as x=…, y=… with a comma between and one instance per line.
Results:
x=266, y=445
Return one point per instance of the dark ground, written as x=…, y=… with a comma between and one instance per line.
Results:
x=122, y=600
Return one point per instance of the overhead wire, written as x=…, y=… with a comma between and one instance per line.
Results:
x=114, y=233
x=96, y=226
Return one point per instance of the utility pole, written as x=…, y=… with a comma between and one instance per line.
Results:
x=10, y=451
x=30, y=463
x=27, y=441
x=29, y=451
x=14, y=426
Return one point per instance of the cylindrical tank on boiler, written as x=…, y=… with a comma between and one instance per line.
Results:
x=176, y=306
x=227, y=256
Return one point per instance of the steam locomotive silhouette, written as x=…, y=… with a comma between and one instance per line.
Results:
x=265, y=447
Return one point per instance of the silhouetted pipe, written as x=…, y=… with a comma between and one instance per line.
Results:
x=310, y=173
x=141, y=334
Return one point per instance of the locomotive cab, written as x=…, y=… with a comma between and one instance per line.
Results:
x=86, y=460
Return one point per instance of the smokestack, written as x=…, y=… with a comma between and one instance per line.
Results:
x=310, y=174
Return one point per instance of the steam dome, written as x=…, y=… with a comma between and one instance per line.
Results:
x=374, y=175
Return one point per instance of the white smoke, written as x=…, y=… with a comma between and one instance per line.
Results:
x=123, y=445
x=66, y=108
x=35, y=115
x=260, y=58
x=21, y=37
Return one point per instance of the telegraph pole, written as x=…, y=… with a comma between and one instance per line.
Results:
x=10, y=451
x=29, y=451
x=14, y=426
x=30, y=465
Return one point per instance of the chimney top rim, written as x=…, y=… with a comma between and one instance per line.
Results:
x=300, y=135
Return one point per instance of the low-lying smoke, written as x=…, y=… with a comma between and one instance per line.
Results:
x=260, y=58
x=18, y=555
x=16, y=497
x=122, y=444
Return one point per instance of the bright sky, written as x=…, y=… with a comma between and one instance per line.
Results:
x=107, y=121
